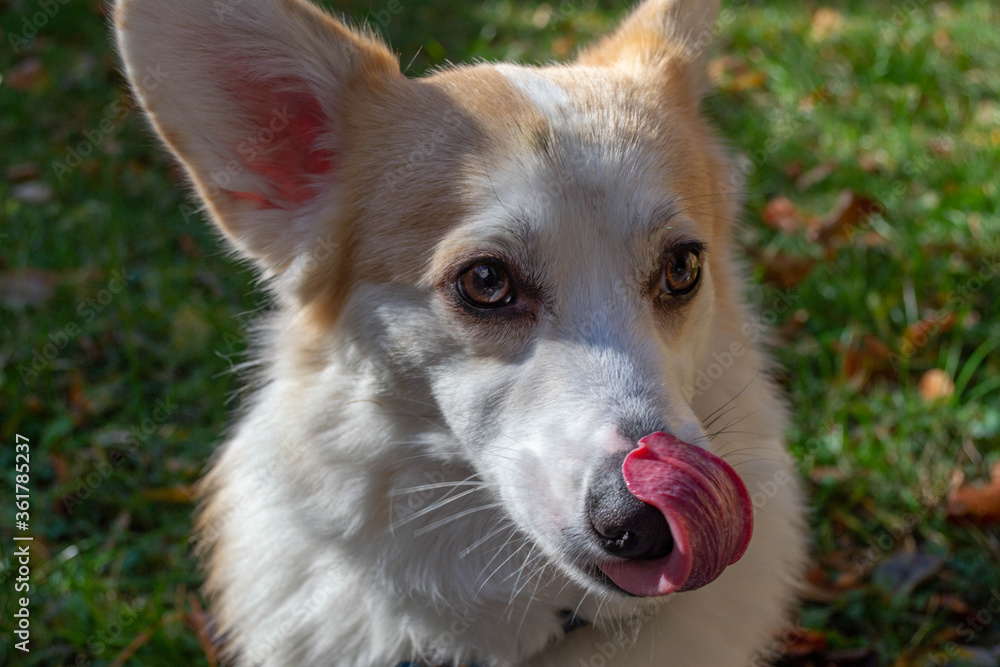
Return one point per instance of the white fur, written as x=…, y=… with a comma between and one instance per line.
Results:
x=402, y=485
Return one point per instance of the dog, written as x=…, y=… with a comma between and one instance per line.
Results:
x=511, y=408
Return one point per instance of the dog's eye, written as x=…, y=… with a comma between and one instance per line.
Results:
x=681, y=271
x=486, y=284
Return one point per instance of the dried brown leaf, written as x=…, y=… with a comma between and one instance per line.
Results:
x=787, y=270
x=863, y=358
x=27, y=74
x=26, y=287
x=22, y=171
x=781, y=214
x=981, y=503
x=848, y=217
x=826, y=22
x=936, y=384
x=746, y=81
x=180, y=493
x=198, y=621
x=816, y=174
x=802, y=641
x=920, y=333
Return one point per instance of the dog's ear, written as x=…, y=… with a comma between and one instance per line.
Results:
x=667, y=38
x=250, y=95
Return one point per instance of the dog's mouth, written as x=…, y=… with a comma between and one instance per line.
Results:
x=706, y=506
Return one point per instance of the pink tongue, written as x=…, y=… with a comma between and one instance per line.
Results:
x=706, y=505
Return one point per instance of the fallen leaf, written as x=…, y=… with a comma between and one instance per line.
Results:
x=60, y=466
x=200, y=622
x=562, y=46
x=816, y=96
x=941, y=146
x=818, y=587
x=181, y=493
x=189, y=246
x=875, y=160
x=851, y=579
x=781, y=214
x=802, y=641
x=952, y=603
x=543, y=14
x=79, y=403
x=787, y=270
x=872, y=239
x=942, y=40
x=936, y=384
x=26, y=287
x=746, y=81
x=980, y=503
x=33, y=403
x=792, y=327
x=821, y=474
x=826, y=22
x=723, y=66
x=816, y=174
x=22, y=171
x=27, y=74
x=793, y=169
x=920, y=333
x=844, y=222
x=868, y=163
x=864, y=357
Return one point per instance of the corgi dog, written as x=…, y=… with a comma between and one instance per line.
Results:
x=512, y=408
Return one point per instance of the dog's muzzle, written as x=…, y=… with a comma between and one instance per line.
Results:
x=670, y=516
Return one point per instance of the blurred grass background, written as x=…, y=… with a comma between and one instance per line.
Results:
x=869, y=133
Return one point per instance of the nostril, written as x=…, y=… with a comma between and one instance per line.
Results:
x=639, y=534
x=625, y=526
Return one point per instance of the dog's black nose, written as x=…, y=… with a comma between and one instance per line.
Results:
x=624, y=525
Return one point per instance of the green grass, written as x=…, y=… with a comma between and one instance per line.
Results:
x=901, y=99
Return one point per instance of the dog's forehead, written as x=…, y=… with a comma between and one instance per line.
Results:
x=575, y=143
x=553, y=100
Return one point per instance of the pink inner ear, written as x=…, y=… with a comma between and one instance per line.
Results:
x=281, y=145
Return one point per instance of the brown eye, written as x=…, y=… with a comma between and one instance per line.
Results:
x=681, y=271
x=486, y=285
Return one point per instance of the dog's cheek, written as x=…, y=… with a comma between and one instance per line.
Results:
x=685, y=341
x=397, y=329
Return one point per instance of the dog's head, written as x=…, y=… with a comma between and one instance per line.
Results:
x=541, y=256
